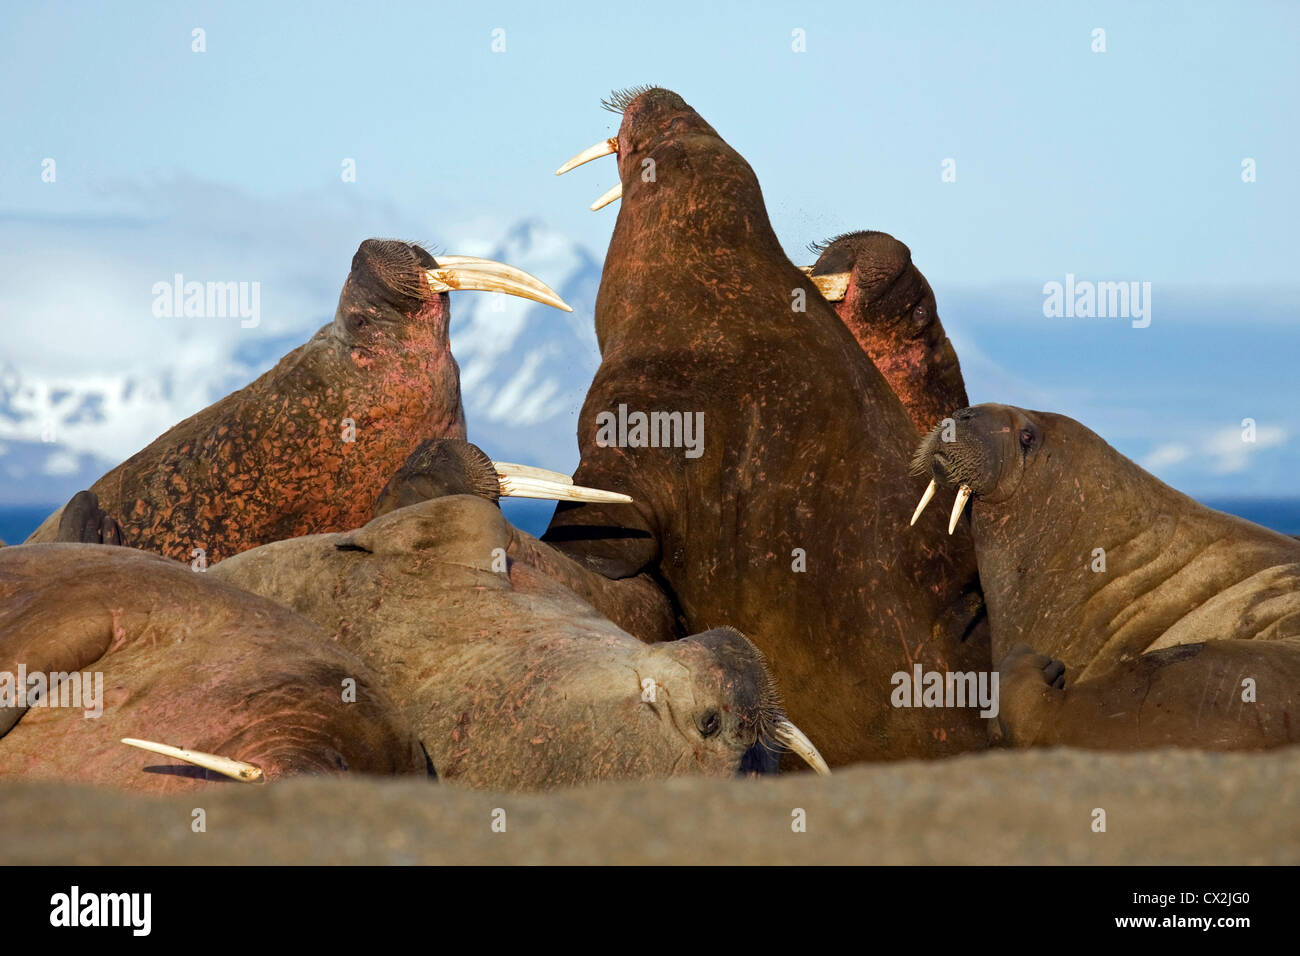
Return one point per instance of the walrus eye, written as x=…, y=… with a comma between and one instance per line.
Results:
x=1026, y=438
x=356, y=322
x=710, y=723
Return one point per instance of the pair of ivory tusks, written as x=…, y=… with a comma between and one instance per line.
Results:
x=963, y=496
x=470, y=273
x=525, y=481
x=834, y=286
x=604, y=148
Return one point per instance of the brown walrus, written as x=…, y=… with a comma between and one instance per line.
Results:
x=308, y=446
x=1123, y=613
x=130, y=644
x=782, y=526
x=510, y=679
x=889, y=307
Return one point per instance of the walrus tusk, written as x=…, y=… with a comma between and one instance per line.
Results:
x=603, y=148
x=614, y=192
x=525, y=481
x=963, y=496
x=467, y=273
x=234, y=769
x=833, y=286
x=518, y=275
x=925, y=500
x=797, y=742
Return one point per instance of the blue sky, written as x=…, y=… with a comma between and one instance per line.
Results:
x=1116, y=163
x=1122, y=165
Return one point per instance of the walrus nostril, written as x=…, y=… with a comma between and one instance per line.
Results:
x=709, y=723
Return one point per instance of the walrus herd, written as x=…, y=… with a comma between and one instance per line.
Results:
x=313, y=575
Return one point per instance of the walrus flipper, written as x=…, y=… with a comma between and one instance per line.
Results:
x=28, y=645
x=1249, y=699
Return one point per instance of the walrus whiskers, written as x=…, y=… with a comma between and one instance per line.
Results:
x=619, y=100
x=234, y=769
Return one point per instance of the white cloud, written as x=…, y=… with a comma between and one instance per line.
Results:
x=1231, y=452
x=1166, y=456
x=1220, y=452
x=61, y=463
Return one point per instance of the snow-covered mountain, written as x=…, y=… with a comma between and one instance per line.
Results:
x=64, y=420
x=89, y=374
x=525, y=367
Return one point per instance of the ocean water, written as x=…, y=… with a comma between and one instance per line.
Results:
x=17, y=522
x=1280, y=514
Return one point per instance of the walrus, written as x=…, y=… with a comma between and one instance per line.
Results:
x=171, y=656
x=782, y=526
x=1123, y=614
x=889, y=307
x=512, y=681
x=306, y=447
x=448, y=466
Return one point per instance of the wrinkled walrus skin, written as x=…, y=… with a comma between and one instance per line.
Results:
x=186, y=661
x=1124, y=614
x=512, y=681
x=270, y=461
x=806, y=453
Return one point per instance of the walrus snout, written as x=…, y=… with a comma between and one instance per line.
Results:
x=877, y=265
x=955, y=452
x=646, y=107
x=649, y=113
x=979, y=449
x=406, y=276
x=395, y=270
x=440, y=467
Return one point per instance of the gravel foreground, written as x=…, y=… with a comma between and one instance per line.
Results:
x=1162, y=807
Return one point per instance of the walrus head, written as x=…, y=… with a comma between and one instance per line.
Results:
x=733, y=705
x=985, y=452
x=393, y=285
x=712, y=695
x=329, y=425
x=692, y=227
x=885, y=301
x=671, y=160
